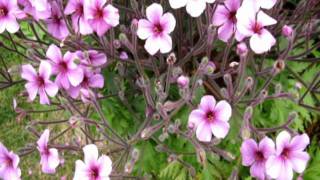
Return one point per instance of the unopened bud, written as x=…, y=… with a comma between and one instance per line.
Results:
x=116, y=44
x=128, y=167
x=172, y=158
x=242, y=49
x=134, y=25
x=171, y=129
x=278, y=88
x=201, y=155
x=183, y=81
x=123, y=38
x=123, y=55
x=298, y=85
x=249, y=82
x=279, y=65
x=287, y=31
x=171, y=59
x=245, y=133
x=135, y=154
x=210, y=68
x=234, y=64
x=248, y=113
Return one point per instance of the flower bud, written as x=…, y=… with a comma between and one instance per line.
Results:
x=135, y=154
x=210, y=68
x=234, y=64
x=163, y=137
x=249, y=82
x=183, y=81
x=172, y=158
x=134, y=25
x=287, y=31
x=128, y=167
x=123, y=55
x=201, y=155
x=171, y=59
x=242, y=49
x=116, y=44
x=248, y=113
x=279, y=66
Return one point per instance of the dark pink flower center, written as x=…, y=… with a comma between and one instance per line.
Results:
x=285, y=153
x=94, y=172
x=157, y=28
x=3, y=11
x=40, y=81
x=259, y=156
x=79, y=9
x=256, y=28
x=63, y=67
x=232, y=16
x=85, y=82
x=210, y=116
x=8, y=161
x=98, y=13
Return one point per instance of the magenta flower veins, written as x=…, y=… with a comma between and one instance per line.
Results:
x=9, y=169
x=256, y=155
x=64, y=67
x=93, y=167
x=39, y=82
x=57, y=27
x=289, y=156
x=9, y=12
x=156, y=29
x=210, y=118
x=49, y=156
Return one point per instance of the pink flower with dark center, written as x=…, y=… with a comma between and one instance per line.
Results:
x=57, y=27
x=64, y=67
x=251, y=22
x=290, y=156
x=79, y=23
x=91, y=58
x=156, y=29
x=101, y=17
x=225, y=17
x=90, y=80
x=9, y=13
x=38, y=9
x=49, y=156
x=9, y=161
x=93, y=167
x=39, y=82
x=210, y=118
x=256, y=155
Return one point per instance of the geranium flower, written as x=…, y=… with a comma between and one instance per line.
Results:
x=101, y=17
x=225, y=17
x=64, y=67
x=256, y=155
x=9, y=13
x=251, y=23
x=93, y=167
x=38, y=9
x=39, y=82
x=57, y=27
x=194, y=7
x=9, y=161
x=79, y=23
x=90, y=80
x=49, y=156
x=156, y=29
x=289, y=156
x=91, y=58
x=210, y=118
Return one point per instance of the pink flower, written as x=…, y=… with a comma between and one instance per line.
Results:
x=101, y=17
x=242, y=49
x=64, y=67
x=57, y=27
x=289, y=156
x=40, y=9
x=256, y=155
x=210, y=118
x=183, y=81
x=90, y=80
x=93, y=167
x=49, y=157
x=225, y=17
x=251, y=23
x=9, y=12
x=39, y=82
x=156, y=29
x=9, y=161
x=194, y=7
x=91, y=58
x=79, y=23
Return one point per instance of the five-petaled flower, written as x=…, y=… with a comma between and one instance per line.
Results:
x=9, y=13
x=101, y=17
x=256, y=155
x=289, y=156
x=93, y=167
x=210, y=118
x=9, y=161
x=56, y=24
x=64, y=67
x=156, y=29
x=39, y=82
x=194, y=7
x=49, y=156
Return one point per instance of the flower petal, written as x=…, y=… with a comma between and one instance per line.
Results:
x=81, y=171
x=258, y=170
x=299, y=161
x=150, y=46
x=225, y=31
x=203, y=132
x=144, y=29
x=196, y=7
x=32, y=89
x=45, y=70
x=165, y=43
x=261, y=43
x=299, y=142
x=282, y=140
x=28, y=73
x=96, y=81
x=168, y=22
x=223, y=111
x=175, y=4
x=51, y=89
x=90, y=153
x=105, y=166
x=248, y=149
x=220, y=16
x=43, y=96
x=195, y=118
x=265, y=20
x=154, y=12
x=267, y=147
x=43, y=140
x=54, y=53
x=274, y=166
x=267, y=4
x=207, y=103
x=220, y=129
x=75, y=76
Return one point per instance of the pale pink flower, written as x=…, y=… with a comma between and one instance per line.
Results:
x=156, y=29
x=9, y=13
x=9, y=161
x=225, y=17
x=64, y=67
x=210, y=118
x=39, y=82
x=79, y=23
x=93, y=167
x=251, y=23
x=56, y=25
x=49, y=156
x=91, y=58
x=38, y=9
x=194, y=7
x=256, y=155
x=101, y=17
x=290, y=156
